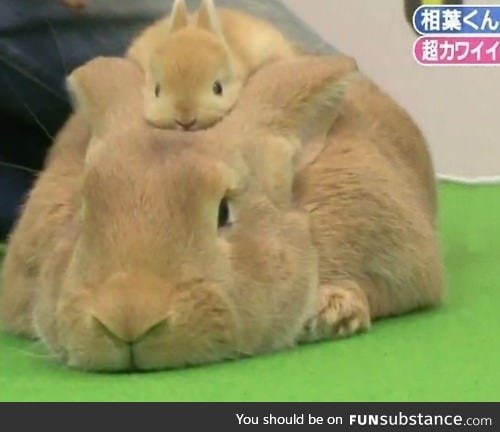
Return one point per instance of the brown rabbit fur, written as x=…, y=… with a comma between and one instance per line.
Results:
x=118, y=261
x=196, y=64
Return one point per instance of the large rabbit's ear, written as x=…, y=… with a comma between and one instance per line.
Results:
x=208, y=18
x=300, y=99
x=179, y=17
x=98, y=86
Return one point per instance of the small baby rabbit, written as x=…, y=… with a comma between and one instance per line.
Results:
x=195, y=65
x=306, y=213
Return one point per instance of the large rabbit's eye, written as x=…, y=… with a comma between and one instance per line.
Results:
x=224, y=218
x=157, y=90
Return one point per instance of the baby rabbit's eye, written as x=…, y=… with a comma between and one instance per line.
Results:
x=217, y=88
x=224, y=218
x=157, y=90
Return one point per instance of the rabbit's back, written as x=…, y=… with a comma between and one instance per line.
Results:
x=395, y=136
x=371, y=195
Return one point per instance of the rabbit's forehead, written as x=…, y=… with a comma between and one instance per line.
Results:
x=173, y=62
x=203, y=155
x=165, y=157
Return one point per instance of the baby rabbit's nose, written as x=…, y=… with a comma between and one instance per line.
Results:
x=186, y=125
x=123, y=331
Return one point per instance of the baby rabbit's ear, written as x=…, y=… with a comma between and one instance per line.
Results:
x=208, y=18
x=179, y=18
x=301, y=99
x=99, y=84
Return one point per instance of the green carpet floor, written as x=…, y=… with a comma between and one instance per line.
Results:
x=449, y=354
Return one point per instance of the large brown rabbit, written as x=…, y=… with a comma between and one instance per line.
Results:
x=290, y=220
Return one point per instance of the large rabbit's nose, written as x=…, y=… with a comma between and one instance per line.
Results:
x=124, y=331
x=129, y=307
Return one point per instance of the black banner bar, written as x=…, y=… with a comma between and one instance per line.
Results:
x=141, y=417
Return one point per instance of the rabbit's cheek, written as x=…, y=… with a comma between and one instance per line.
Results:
x=85, y=345
x=202, y=327
x=274, y=261
x=159, y=112
x=46, y=328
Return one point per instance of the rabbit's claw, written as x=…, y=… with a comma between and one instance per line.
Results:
x=342, y=311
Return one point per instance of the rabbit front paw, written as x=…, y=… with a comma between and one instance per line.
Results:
x=342, y=310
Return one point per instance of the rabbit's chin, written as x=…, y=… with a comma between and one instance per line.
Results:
x=193, y=327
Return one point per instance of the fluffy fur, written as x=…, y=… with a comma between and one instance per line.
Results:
x=117, y=261
x=185, y=56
